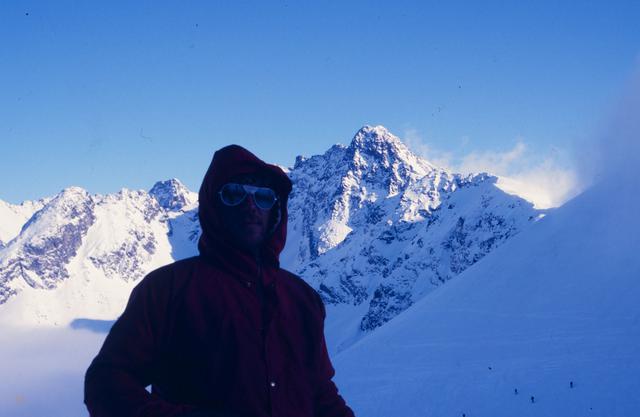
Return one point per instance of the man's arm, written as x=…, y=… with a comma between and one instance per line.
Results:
x=116, y=379
x=328, y=403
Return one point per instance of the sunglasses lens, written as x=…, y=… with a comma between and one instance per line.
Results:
x=232, y=194
x=265, y=198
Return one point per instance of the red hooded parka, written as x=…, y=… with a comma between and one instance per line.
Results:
x=219, y=331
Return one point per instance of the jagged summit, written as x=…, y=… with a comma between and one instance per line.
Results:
x=378, y=141
x=172, y=194
x=373, y=152
x=371, y=149
x=374, y=137
x=72, y=192
x=375, y=146
x=64, y=205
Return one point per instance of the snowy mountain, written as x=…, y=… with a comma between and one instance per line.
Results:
x=91, y=250
x=548, y=325
x=37, y=257
x=373, y=227
x=172, y=195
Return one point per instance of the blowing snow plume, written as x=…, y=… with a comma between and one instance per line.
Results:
x=548, y=324
x=618, y=150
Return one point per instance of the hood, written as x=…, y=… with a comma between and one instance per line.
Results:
x=214, y=245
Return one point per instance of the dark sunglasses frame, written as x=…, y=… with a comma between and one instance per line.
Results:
x=248, y=189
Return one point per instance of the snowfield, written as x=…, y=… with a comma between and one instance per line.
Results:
x=548, y=325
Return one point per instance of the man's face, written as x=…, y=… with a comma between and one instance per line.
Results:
x=246, y=223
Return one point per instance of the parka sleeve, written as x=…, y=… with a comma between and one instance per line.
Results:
x=328, y=402
x=116, y=380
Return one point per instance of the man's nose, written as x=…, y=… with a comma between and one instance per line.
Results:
x=250, y=203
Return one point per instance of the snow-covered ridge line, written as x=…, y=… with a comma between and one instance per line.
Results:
x=91, y=249
x=373, y=227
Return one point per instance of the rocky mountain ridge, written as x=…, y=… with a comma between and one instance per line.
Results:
x=372, y=227
x=373, y=224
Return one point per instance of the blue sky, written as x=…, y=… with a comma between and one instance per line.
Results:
x=122, y=94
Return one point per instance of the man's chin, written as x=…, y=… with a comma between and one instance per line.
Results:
x=250, y=243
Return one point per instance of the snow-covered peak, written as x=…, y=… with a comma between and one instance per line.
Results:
x=37, y=257
x=62, y=207
x=172, y=195
x=72, y=193
x=69, y=206
x=375, y=227
x=374, y=147
x=375, y=137
x=92, y=248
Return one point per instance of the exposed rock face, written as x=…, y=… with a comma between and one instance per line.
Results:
x=51, y=237
x=172, y=195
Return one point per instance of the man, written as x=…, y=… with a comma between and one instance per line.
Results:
x=228, y=332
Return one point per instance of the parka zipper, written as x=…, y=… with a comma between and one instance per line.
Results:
x=260, y=290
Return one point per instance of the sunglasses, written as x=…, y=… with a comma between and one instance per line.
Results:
x=232, y=194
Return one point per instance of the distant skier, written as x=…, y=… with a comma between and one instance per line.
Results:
x=571, y=384
x=533, y=400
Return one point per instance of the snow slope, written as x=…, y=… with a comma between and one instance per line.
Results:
x=553, y=307
x=13, y=216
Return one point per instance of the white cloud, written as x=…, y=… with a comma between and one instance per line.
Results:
x=494, y=162
x=617, y=158
x=546, y=185
x=541, y=179
x=414, y=140
x=43, y=370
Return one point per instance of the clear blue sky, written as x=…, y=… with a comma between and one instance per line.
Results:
x=106, y=95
